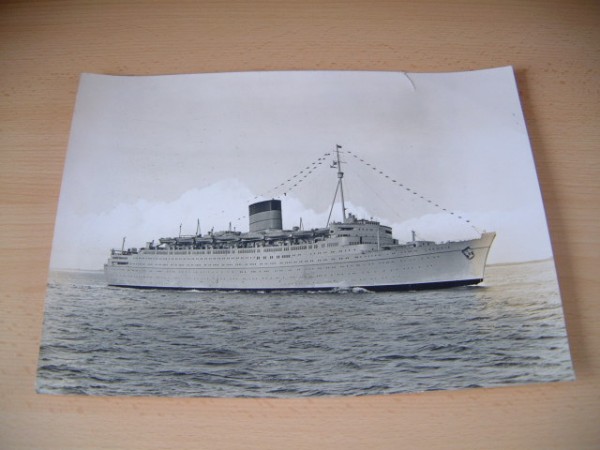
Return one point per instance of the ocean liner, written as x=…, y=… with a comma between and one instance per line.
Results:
x=352, y=253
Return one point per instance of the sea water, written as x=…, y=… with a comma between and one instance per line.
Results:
x=101, y=340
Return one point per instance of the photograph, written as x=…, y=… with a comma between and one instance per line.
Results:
x=300, y=234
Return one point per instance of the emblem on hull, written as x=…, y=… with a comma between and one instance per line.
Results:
x=468, y=252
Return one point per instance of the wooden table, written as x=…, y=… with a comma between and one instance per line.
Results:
x=45, y=45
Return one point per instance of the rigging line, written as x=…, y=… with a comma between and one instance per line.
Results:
x=458, y=217
x=373, y=191
x=295, y=178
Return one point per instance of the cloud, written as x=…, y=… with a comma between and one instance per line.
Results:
x=84, y=241
x=520, y=233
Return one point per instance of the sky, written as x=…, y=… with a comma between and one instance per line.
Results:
x=148, y=155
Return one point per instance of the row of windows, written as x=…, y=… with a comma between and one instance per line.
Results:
x=299, y=258
x=365, y=275
x=271, y=264
x=265, y=249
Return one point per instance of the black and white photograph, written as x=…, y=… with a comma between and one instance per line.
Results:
x=300, y=234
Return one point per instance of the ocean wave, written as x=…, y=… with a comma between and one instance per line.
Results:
x=116, y=341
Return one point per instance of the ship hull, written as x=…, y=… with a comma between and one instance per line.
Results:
x=419, y=265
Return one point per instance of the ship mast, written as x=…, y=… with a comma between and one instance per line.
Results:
x=337, y=163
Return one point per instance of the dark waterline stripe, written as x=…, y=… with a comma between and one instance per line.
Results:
x=375, y=288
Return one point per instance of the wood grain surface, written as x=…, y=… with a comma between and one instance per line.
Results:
x=45, y=45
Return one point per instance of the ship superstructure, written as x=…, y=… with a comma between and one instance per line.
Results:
x=346, y=254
